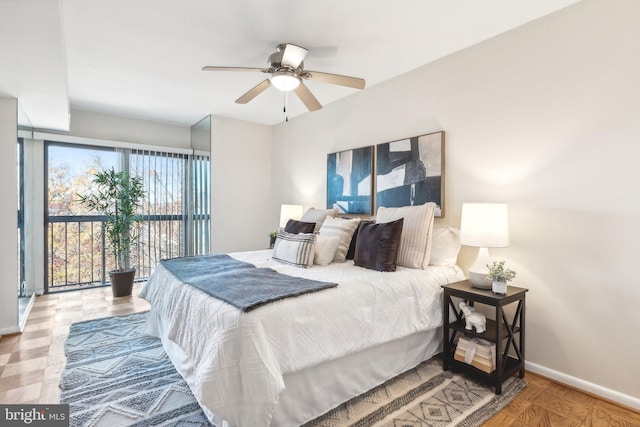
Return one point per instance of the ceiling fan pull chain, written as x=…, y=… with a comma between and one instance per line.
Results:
x=286, y=116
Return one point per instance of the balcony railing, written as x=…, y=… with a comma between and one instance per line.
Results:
x=78, y=255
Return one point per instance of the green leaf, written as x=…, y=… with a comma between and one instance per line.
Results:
x=118, y=197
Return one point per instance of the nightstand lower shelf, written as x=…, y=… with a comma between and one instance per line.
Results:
x=512, y=367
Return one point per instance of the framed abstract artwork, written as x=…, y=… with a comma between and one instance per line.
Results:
x=410, y=172
x=349, y=181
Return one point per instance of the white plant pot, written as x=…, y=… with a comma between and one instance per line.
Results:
x=499, y=287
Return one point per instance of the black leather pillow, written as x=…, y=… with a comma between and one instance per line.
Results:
x=377, y=245
x=297, y=227
x=352, y=246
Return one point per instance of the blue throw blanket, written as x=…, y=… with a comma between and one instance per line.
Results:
x=239, y=283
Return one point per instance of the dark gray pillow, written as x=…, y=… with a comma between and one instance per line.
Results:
x=352, y=246
x=378, y=244
x=297, y=227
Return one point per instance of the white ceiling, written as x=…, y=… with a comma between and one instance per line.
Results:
x=142, y=58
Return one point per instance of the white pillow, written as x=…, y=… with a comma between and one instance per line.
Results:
x=295, y=249
x=325, y=249
x=445, y=246
x=318, y=216
x=343, y=229
x=415, y=242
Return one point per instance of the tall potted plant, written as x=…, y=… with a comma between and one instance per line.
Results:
x=118, y=196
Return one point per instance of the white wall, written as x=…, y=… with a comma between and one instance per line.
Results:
x=546, y=118
x=240, y=185
x=116, y=128
x=9, y=216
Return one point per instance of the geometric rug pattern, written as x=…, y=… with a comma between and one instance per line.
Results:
x=424, y=396
x=116, y=376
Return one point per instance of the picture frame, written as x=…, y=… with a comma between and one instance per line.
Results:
x=350, y=181
x=411, y=172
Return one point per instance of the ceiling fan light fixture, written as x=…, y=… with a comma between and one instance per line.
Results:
x=285, y=80
x=286, y=71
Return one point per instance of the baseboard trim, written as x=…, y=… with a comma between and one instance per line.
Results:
x=10, y=330
x=598, y=390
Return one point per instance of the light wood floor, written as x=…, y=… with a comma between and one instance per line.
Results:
x=31, y=363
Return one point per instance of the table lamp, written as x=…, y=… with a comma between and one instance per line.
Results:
x=483, y=225
x=288, y=212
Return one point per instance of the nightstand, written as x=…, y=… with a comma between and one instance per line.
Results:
x=507, y=334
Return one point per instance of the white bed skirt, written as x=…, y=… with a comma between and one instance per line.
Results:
x=313, y=391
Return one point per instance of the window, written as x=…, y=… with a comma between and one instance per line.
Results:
x=173, y=224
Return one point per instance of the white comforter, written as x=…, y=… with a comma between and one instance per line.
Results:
x=239, y=358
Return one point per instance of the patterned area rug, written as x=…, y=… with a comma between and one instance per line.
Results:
x=116, y=376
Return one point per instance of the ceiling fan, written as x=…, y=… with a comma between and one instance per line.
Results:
x=287, y=72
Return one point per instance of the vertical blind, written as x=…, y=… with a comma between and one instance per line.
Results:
x=175, y=212
x=200, y=203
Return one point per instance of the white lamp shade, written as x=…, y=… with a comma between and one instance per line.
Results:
x=288, y=212
x=484, y=225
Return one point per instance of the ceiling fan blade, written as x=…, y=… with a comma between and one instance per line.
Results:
x=209, y=68
x=293, y=55
x=254, y=91
x=335, y=79
x=307, y=97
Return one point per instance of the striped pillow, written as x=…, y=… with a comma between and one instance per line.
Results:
x=294, y=249
x=344, y=229
x=415, y=243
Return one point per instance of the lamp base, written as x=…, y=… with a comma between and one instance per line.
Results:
x=479, y=280
x=478, y=273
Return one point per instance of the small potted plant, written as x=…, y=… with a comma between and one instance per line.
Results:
x=118, y=196
x=499, y=276
x=272, y=238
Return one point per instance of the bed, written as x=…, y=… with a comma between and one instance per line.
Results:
x=292, y=360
